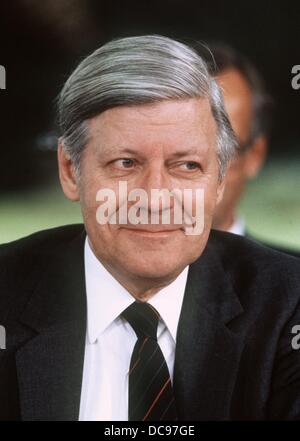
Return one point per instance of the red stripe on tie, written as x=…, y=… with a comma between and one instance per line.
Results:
x=137, y=361
x=156, y=399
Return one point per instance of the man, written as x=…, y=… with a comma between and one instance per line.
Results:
x=249, y=108
x=135, y=320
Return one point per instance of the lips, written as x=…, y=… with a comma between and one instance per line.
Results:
x=153, y=230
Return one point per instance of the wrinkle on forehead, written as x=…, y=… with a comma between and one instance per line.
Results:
x=180, y=124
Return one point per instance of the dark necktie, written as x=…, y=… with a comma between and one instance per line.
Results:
x=150, y=396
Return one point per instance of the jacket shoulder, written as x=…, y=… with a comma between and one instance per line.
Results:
x=42, y=240
x=239, y=252
x=21, y=260
x=258, y=270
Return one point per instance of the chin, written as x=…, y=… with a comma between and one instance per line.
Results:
x=154, y=266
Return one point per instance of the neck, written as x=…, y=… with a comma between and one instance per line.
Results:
x=224, y=223
x=142, y=289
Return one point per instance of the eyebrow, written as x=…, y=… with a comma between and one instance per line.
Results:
x=191, y=151
x=117, y=150
x=176, y=154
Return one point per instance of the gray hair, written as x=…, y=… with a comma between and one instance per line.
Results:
x=133, y=71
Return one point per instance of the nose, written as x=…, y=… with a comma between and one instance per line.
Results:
x=156, y=180
x=155, y=177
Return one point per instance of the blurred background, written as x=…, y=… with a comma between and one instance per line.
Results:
x=42, y=41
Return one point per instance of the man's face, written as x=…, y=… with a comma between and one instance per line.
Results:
x=238, y=103
x=166, y=145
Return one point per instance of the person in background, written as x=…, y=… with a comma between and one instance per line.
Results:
x=249, y=107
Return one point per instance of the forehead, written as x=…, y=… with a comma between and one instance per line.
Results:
x=237, y=100
x=183, y=122
x=236, y=91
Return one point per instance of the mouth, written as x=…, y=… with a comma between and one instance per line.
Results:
x=153, y=232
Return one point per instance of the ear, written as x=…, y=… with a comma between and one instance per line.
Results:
x=67, y=175
x=255, y=157
x=220, y=191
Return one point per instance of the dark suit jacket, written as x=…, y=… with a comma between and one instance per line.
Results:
x=291, y=252
x=233, y=359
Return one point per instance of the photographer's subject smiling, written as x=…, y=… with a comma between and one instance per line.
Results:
x=141, y=321
x=165, y=138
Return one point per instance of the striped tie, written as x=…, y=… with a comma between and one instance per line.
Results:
x=150, y=395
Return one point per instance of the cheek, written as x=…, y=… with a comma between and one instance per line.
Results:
x=91, y=182
x=89, y=203
x=88, y=198
x=211, y=188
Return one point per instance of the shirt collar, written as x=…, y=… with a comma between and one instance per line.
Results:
x=107, y=298
x=168, y=302
x=238, y=227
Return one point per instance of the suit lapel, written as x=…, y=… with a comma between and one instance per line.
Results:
x=207, y=351
x=49, y=365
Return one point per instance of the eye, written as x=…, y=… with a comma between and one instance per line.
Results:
x=124, y=163
x=190, y=165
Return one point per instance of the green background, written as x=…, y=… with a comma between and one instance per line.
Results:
x=271, y=207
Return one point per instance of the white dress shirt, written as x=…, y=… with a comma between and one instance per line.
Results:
x=238, y=227
x=110, y=339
